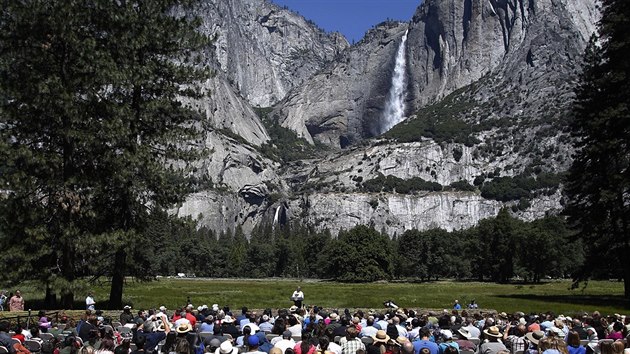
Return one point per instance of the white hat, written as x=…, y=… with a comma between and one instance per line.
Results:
x=447, y=334
x=226, y=348
x=162, y=308
x=253, y=327
x=215, y=307
x=127, y=307
x=228, y=319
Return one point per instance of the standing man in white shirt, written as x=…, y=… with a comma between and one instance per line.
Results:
x=298, y=297
x=89, y=302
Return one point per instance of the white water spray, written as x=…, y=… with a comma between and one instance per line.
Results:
x=395, y=106
x=276, y=217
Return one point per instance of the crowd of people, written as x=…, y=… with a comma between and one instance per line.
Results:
x=314, y=330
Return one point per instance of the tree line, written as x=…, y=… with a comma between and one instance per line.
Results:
x=499, y=249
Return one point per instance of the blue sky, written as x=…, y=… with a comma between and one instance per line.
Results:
x=352, y=17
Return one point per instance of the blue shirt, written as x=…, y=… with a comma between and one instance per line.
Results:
x=419, y=344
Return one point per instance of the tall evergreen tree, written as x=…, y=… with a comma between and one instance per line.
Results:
x=598, y=186
x=94, y=131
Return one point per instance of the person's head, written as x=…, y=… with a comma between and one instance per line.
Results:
x=107, y=344
x=323, y=343
x=617, y=326
x=18, y=293
x=425, y=333
x=253, y=342
x=618, y=347
x=573, y=339
x=182, y=346
x=407, y=348
x=86, y=349
x=351, y=332
x=140, y=341
x=450, y=349
x=299, y=289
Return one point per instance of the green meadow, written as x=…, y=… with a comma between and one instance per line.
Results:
x=556, y=296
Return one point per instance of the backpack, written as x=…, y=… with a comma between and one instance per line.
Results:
x=48, y=347
x=200, y=349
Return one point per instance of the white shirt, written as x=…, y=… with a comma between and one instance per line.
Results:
x=298, y=295
x=181, y=321
x=368, y=331
x=334, y=347
x=89, y=303
x=284, y=344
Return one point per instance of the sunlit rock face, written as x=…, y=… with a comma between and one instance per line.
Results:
x=515, y=62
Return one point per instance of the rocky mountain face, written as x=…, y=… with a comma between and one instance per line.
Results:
x=343, y=102
x=488, y=88
x=265, y=50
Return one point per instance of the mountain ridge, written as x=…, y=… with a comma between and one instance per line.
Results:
x=509, y=90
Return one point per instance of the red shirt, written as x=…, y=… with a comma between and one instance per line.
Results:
x=20, y=337
x=191, y=318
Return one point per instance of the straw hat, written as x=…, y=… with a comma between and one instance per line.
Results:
x=493, y=331
x=535, y=336
x=380, y=337
x=184, y=328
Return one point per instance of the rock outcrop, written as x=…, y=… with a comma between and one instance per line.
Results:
x=455, y=43
x=343, y=103
x=503, y=68
x=265, y=50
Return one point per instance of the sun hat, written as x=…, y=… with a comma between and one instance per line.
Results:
x=265, y=318
x=535, y=336
x=380, y=337
x=333, y=316
x=228, y=319
x=127, y=307
x=493, y=331
x=447, y=333
x=226, y=348
x=160, y=327
x=293, y=308
x=464, y=332
x=162, y=308
x=184, y=328
x=215, y=307
x=556, y=331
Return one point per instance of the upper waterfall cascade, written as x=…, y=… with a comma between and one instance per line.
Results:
x=395, y=107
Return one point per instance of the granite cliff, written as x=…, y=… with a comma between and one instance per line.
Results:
x=488, y=88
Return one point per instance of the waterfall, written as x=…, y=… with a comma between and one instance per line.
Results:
x=395, y=106
x=276, y=217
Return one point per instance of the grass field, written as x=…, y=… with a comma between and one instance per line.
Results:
x=258, y=294
x=605, y=296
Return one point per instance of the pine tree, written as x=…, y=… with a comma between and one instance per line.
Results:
x=94, y=132
x=598, y=186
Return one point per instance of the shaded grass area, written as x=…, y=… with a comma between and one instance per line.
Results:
x=604, y=296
